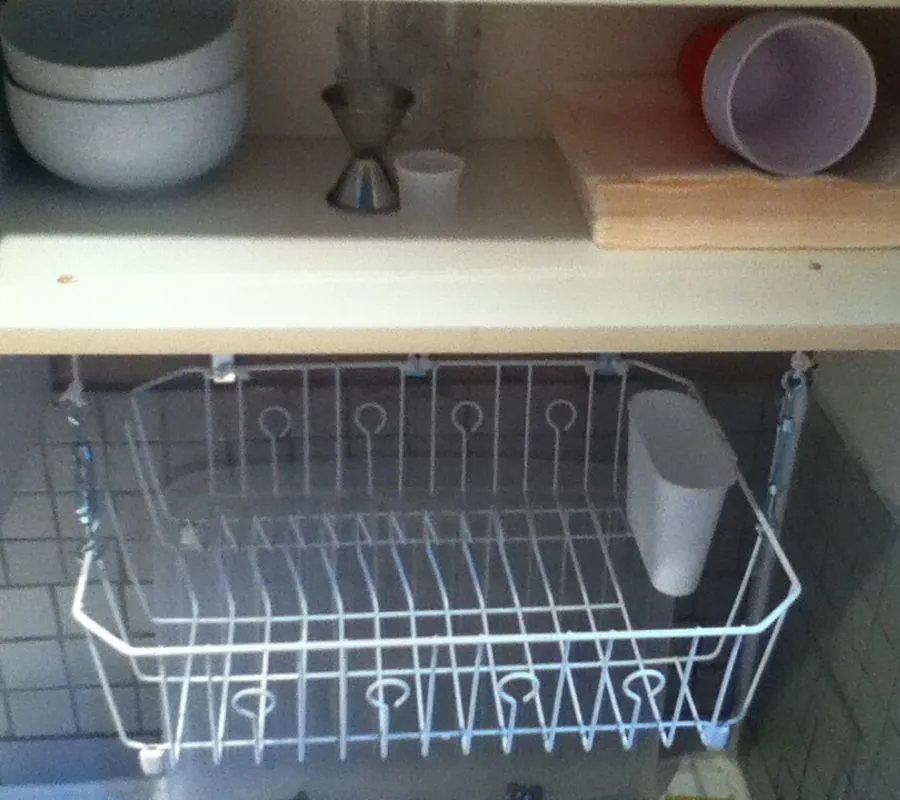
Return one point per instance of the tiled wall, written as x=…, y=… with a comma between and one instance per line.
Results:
x=827, y=726
x=47, y=683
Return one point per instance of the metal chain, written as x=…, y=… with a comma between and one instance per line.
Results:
x=795, y=383
x=74, y=403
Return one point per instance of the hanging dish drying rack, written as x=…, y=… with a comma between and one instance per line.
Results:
x=411, y=553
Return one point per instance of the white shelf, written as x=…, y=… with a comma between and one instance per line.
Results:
x=754, y=4
x=253, y=260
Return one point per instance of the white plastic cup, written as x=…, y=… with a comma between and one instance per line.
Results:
x=790, y=93
x=428, y=181
x=679, y=470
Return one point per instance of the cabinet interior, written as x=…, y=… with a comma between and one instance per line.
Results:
x=525, y=50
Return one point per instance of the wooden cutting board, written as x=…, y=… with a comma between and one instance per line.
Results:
x=651, y=176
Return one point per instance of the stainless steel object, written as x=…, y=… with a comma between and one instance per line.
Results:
x=368, y=114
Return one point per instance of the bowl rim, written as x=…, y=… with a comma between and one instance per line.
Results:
x=231, y=21
x=10, y=83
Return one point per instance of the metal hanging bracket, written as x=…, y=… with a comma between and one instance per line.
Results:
x=419, y=365
x=791, y=413
x=608, y=364
x=73, y=402
x=223, y=367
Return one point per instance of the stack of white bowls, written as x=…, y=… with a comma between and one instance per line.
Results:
x=126, y=94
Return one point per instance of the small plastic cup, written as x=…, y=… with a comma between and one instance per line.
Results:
x=429, y=183
x=695, y=55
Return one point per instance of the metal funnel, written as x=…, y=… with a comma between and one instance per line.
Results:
x=367, y=112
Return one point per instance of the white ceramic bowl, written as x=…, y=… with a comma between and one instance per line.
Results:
x=790, y=93
x=122, y=49
x=131, y=146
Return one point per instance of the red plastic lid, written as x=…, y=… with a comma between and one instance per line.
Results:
x=695, y=56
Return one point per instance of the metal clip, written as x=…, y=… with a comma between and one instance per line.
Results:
x=73, y=402
x=223, y=368
x=607, y=364
x=419, y=366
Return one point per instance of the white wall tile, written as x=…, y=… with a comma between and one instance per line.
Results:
x=321, y=403
x=138, y=622
x=889, y=756
x=184, y=416
x=94, y=715
x=30, y=517
x=95, y=603
x=34, y=477
x=42, y=713
x=120, y=467
x=117, y=410
x=141, y=560
x=34, y=562
x=150, y=710
x=739, y=406
x=188, y=457
x=134, y=517
x=881, y=662
x=82, y=669
x=32, y=665
x=26, y=612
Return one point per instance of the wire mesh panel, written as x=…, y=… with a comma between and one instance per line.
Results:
x=380, y=555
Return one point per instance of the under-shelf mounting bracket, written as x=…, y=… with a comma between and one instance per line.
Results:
x=791, y=415
x=223, y=368
x=607, y=364
x=419, y=365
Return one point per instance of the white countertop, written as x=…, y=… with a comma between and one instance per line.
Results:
x=253, y=260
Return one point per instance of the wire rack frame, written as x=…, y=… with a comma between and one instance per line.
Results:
x=292, y=610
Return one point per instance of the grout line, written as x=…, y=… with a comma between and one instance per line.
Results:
x=52, y=499
x=54, y=601
x=54, y=598
x=120, y=579
x=4, y=566
x=63, y=687
x=5, y=705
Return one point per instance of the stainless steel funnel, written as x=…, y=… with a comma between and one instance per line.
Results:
x=368, y=114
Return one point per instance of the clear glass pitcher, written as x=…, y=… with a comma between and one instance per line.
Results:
x=430, y=48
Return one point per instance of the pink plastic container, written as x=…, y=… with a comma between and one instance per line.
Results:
x=790, y=93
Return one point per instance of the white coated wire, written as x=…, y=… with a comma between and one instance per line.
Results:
x=370, y=558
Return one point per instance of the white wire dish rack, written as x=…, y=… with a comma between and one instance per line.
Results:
x=412, y=554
